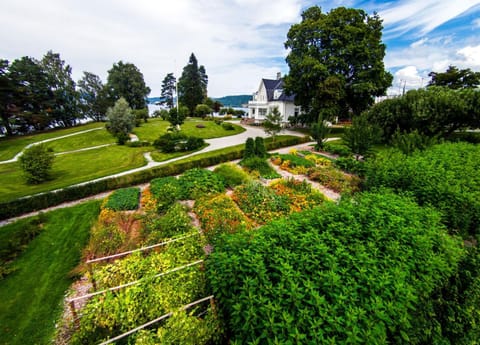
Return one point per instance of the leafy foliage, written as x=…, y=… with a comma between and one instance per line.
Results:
x=249, y=148
x=358, y=272
x=165, y=190
x=94, y=100
x=260, y=149
x=197, y=182
x=124, y=199
x=361, y=136
x=445, y=176
x=177, y=142
x=175, y=221
x=120, y=120
x=272, y=124
x=336, y=62
x=259, y=166
x=410, y=142
x=455, y=78
x=220, y=215
x=192, y=85
x=36, y=163
x=231, y=174
x=320, y=130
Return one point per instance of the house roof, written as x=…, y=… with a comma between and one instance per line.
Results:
x=276, y=84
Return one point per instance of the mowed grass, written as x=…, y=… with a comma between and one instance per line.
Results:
x=31, y=298
x=151, y=130
x=70, y=169
x=81, y=141
x=9, y=147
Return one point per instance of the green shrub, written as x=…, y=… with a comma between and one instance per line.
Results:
x=124, y=199
x=165, y=190
x=260, y=150
x=249, y=148
x=295, y=161
x=197, y=182
x=175, y=221
x=170, y=142
x=445, y=176
x=228, y=126
x=337, y=149
x=138, y=143
x=231, y=174
x=193, y=143
x=261, y=166
x=350, y=165
x=36, y=163
x=412, y=141
x=361, y=272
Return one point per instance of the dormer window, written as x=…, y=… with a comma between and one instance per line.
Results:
x=277, y=93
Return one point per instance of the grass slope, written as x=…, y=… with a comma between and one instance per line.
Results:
x=31, y=298
x=71, y=169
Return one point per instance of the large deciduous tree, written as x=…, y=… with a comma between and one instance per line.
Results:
x=192, y=85
x=168, y=89
x=125, y=80
x=6, y=97
x=455, y=78
x=93, y=97
x=336, y=62
x=64, y=110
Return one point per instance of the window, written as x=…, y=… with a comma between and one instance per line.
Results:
x=253, y=111
x=297, y=111
x=262, y=111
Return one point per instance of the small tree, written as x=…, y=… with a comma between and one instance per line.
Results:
x=273, y=123
x=320, y=131
x=249, y=148
x=361, y=136
x=177, y=116
x=260, y=149
x=120, y=120
x=202, y=110
x=36, y=163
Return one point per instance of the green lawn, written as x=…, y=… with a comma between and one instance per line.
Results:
x=9, y=147
x=31, y=298
x=70, y=169
x=155, y=127
x=90, y=139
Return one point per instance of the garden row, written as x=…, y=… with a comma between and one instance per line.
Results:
x=166, y=281
x=45, y=200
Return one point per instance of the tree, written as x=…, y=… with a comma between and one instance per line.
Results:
x=260, y=149
x=93, y=97
x=249, y=148
x=272, y=124
x=336, y=62
x=36, y=163
x=177, y=116
x=192, y=85
x=455, y=78
x=320, y=131
x=125, y=80
x=120, y=120
x=202, y=110
x=6, y=97
x=168, y=89
x=63, y=109
x=32, y=97
x=361, y=136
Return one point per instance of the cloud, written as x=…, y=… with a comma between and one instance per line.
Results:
x=422, y=16
x=408, y=78
x=470, y=55
x=476, y=23
x=157, y=36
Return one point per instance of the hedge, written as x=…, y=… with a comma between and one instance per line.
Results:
x=44, y=200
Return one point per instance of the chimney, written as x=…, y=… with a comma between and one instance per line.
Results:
x=279, y=75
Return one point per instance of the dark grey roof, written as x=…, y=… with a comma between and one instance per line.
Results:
x=276, y=84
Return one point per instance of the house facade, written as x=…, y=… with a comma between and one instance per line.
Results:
x=271, y=94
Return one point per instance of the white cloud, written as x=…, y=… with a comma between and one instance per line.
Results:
x=476, y=23
x=471, y=56
x=157, y=36
x=419, y=43
x=424, y=15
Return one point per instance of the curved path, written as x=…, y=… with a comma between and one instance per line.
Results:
x=14, y=159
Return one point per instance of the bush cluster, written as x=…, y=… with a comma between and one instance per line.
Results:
x=231, y=174
x=195, y=183
x=124, y=199
x=177, y=142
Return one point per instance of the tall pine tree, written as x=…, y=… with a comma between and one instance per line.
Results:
x=168, y=89
x=192, y=85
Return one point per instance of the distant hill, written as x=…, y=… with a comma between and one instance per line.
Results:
x=234, y=101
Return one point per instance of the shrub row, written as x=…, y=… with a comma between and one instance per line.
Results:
x=41, y=201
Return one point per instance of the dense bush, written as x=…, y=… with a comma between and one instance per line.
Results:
x=228, y=126
x=195, y=183
x=231, y=174
x=44, y=200
x=249, y=148
x=300, y=194
x=177, y=142
x=124, y=199
x=165, y=191
x=260, y=166
x=445, y=176
x=219, y=215
x=260, y=150
x=175, y=221
x=361, y=272
x=350, y=165
x=337, y=149
x=36, y=163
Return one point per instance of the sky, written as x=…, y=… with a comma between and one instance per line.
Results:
x=238, y=41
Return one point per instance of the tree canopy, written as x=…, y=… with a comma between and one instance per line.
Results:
x=93, y=97
x=125, y=80
x=455, y=78
x=336, y=62
x=168, y=89
x=192, y=85
x=121, y=120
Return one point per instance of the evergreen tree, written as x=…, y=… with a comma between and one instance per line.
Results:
x=249, y=148
x=192, y=85
x=455, y=78
x=168, y=89
x=273, y=123
x=260, y=150
x=6, y=97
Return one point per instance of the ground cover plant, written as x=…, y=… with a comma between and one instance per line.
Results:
x=231, y=174
x=259, y=166
x=123, y=199
x=159, y=227
x=301, y=196
x=362, y=271
x=445, y=176
x=32, y=296
x=197, y=182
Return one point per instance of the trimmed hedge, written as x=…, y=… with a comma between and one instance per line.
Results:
x=44, y=200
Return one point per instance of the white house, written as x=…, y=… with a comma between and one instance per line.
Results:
x=271, y=94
